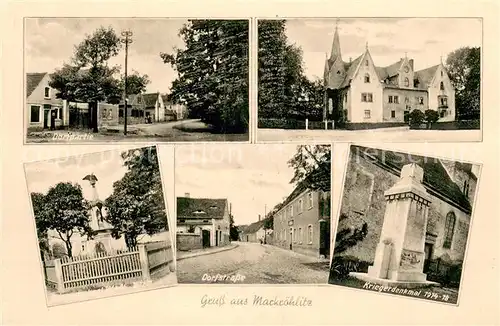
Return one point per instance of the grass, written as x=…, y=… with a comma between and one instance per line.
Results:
x=433, y=293
x=452, y=125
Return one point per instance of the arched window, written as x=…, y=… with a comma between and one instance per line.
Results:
x=449, y=228
x=367, y=78
x=441, y=86
x=407, y=82
x=366, y=63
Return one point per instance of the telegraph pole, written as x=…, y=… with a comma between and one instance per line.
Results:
x=127, y=40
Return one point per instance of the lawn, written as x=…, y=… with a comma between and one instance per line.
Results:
x=433, y=293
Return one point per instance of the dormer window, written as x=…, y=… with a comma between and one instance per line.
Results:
x=213, y=207
x=47, y=92
x=338, y=72
x=367, y=78
x=199, y=211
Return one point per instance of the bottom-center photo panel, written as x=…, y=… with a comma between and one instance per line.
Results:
x=253, y=214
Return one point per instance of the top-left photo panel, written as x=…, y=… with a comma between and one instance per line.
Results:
x=96, y=80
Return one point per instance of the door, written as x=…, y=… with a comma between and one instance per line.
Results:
x=407, y=116
x=46, y=117
x=291, y=236
x=205, y=238
x=324, y=238
x=428, y=249
x=217, y=238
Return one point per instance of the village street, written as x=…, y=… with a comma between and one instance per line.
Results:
x=259, y=264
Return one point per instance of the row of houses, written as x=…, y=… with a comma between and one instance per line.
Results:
x=45, y=111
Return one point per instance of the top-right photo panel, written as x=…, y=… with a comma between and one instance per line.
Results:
x=369, y=79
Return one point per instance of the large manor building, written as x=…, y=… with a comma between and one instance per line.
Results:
x=358, y=91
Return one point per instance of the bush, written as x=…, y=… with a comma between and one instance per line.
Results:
x=445, y=273
x=343, y=265
x=416, y=117
x=431, y=117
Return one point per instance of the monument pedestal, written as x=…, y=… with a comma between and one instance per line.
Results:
x=399, y=257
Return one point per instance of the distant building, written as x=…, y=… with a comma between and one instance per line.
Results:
x=154, y=106
x=302, y=223
x=209, y=218
x=174, y=110
x=255, y=232
x=360, y=92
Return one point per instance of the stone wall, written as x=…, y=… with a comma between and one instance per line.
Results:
x=189, y=241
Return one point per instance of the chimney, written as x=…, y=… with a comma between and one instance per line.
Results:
x=259, y=217
x=350, y=59
x=187, y=195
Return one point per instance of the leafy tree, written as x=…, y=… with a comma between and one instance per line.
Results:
x=136, y=83
x=136, y=205
x=213, y=72
x=269, y=223
x=89, y=79
x=431, y=117
x=312, y=164
x=416, y=117
x=464, y=68
x=233, y=230
x=64, y=210
x=38, y=202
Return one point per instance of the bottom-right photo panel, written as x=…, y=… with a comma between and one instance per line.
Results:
x=403, y=224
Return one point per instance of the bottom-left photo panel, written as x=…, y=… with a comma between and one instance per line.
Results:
x=102, y=223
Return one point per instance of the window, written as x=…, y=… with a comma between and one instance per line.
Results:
x=300, y=235
x=441, y=86
x=47, y=92
x=366, y=97
x=441, y=73
x=35, y=113
x=60, y=113
x=443, y=101
x=407, y=82
x=104, y=113
x=345, y=98
x=367, y=114
x=393, y=114
x=182, y=221
x=407, y=100
x=421, y=100
x=294, y=235
x=366, y=63
x=449, y=228
x=390, y=98
x=367, y=78
x=310, y=197
x=310, y=234
x=301, y=205
x=396, y=99
x=338, y=72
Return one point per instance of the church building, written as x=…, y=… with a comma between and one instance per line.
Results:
x=358, y=91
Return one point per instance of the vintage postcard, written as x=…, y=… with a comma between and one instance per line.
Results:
x=242, y=219
x=136, y=79
x=101, y=222
x=404, y=224
x=369, y=79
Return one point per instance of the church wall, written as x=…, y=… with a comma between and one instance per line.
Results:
x=363, y=202
x=407, y=99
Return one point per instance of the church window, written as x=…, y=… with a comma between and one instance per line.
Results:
x=441, y=73
x=367, y=78
x=367, y=114
x=396, y=99
x=407, y=100
x=393, y=114
x=449, y=228
x=441, y=86
x=407, y=82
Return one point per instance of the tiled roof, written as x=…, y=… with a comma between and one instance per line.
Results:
x=350, y=70
x=202, y=208
x=425, y=76
x=435, y=176
x=32, y=81
x=389, y=71
x=150, y=99
x=254, y=227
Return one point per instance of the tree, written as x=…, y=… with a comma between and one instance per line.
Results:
x=38, y=202
x=416, y=117
x=233, y=230
x=312, y=164
x=269, y=222
x=136, y=83
x=431, y=117
x=136, y=205
x=213, y=73
x=89, y=79
x=464, y=68
x=64, y=210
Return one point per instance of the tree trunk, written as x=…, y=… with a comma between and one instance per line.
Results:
x=94, y=118
x=131, y=241
x=69, y=248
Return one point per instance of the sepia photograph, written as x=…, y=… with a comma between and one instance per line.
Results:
x=136, y=79
x=253, y=214
x=370, y=79
x=404, y=224
x=101, y=222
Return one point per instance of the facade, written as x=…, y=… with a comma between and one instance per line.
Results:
x=358, y=91
x=136, y=109
x=255, y=232
x=449, y=188
x=154, y=106
x=174, y=110
x=43, y=109
x=302, y=223
x=207, y=217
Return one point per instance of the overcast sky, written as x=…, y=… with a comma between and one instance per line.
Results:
x=425, y=40
x=50, y=42
x=107, y=167
x=249, y=176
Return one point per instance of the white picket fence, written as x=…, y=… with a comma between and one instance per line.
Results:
x=102, y=269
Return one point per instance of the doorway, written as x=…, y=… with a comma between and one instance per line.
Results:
x=205, y=238
x=428, y=251
x=46, y=117
x=291, y=236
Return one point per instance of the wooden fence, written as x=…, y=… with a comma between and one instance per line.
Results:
x=70, y=273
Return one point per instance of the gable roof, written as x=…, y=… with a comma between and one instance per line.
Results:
x=351, y=68
x=390, y=70
x=202, y=208
x=150, y=99
x=254, y=227
x=436, y=179
x=32, y=81
x=425, y=76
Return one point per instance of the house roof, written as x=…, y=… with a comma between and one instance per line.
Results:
x=389, y=71
x=201, y=208
x=134, y=99
x=150, y=99
x=435, y=179
x=32, y=81
x=425, y=76
x=350, y=68
x=254, y=227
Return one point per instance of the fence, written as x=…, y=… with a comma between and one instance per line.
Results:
x=189, y=241
x=101, y=269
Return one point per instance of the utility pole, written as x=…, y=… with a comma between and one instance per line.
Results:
x=127, y=40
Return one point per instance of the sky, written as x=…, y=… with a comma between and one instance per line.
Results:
x=107, y=167
x=249, y=176
x=50, y=42
x=424, y=40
